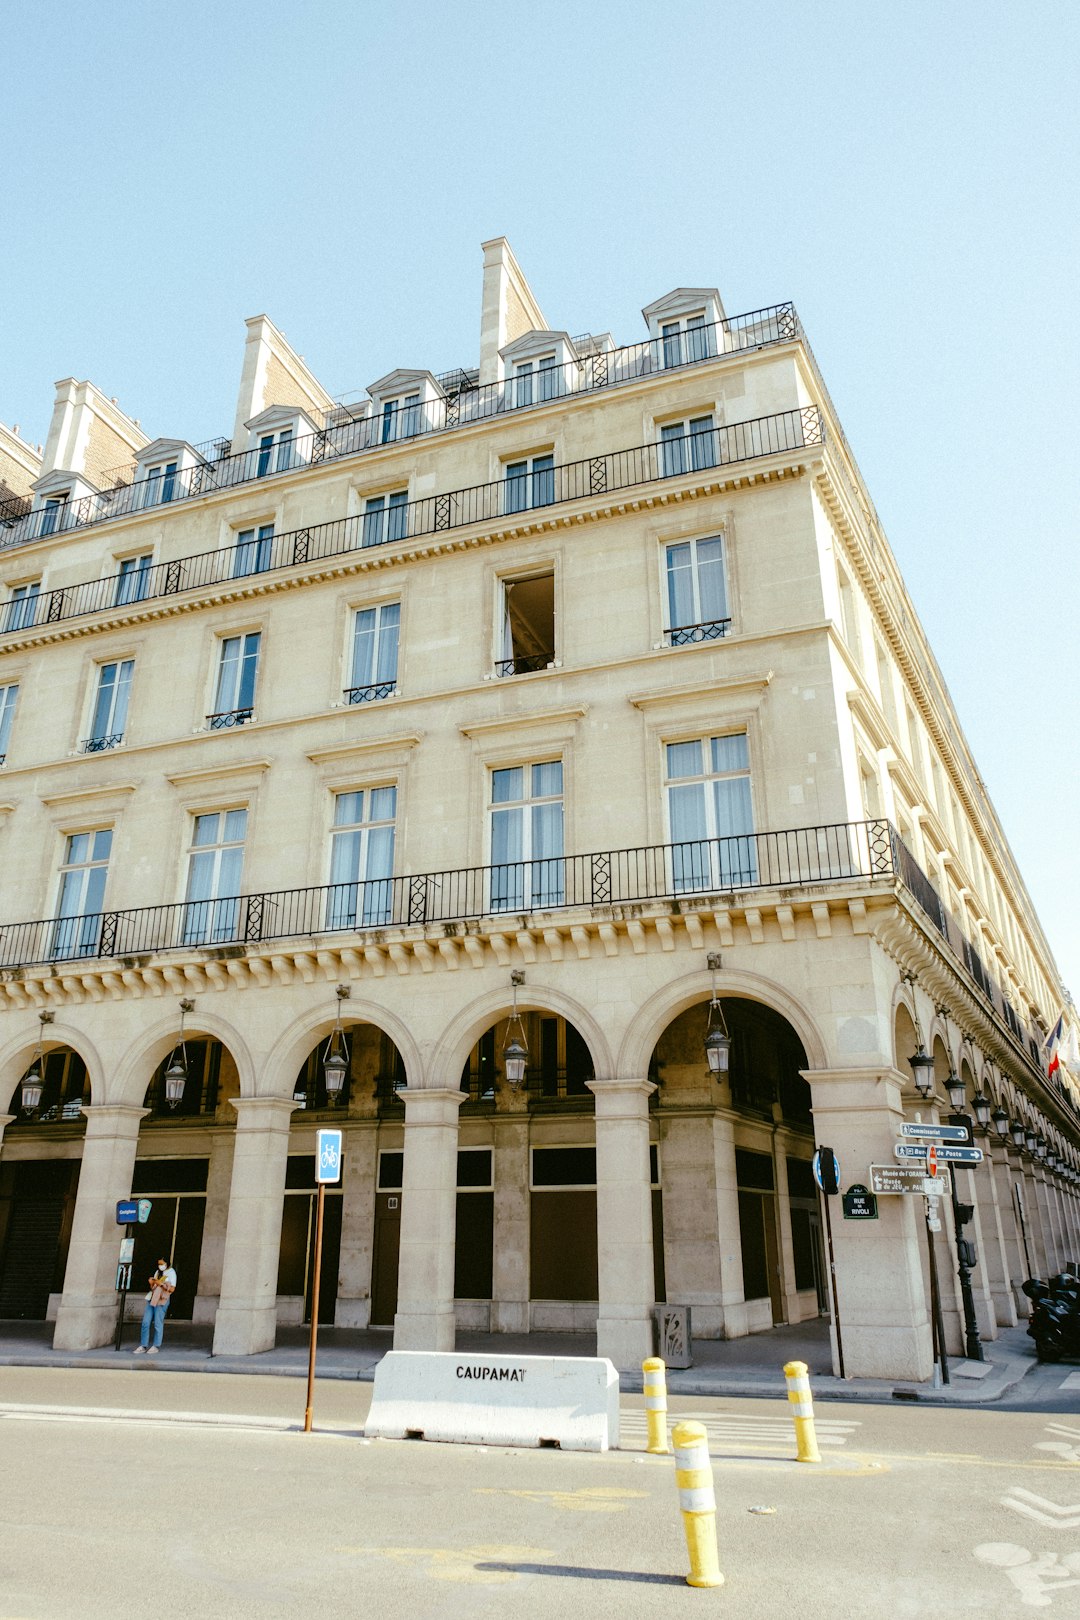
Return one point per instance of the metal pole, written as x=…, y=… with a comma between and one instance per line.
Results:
x=935, y=1298
x=972, y=1343
x=123, y=1298
x=835, y=1297
x=314, y=1306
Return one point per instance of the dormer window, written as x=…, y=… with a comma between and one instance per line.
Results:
x=275, y=452
x=405, y=403
x=686, y=326
x=536, y=380
x=686, y=340
x=400, y=418
x=159, y=484
x=281, y=438
x=538, y=366
x=52, y=513
x=163, y=473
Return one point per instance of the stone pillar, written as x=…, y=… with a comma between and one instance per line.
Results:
x=732, y=1286
x=884, y=1302
x=783, y=1226
x=1050, y=1248
x=247, y=1315
x=425, y=1308
x=624, y=1246
x=87, y=1312
x=218, y=1183
x=998, y=1257
x=691, y=1235
x=510, y=1260
x=1037, y=1237
x=353, y=1308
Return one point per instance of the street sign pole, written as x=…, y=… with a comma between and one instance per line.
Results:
x=827, y=1176
x=123, y=1295
x=835, y=1298
x=937, y=1324
x=315, y=1306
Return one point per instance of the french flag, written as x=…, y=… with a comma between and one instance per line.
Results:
x=1052, y=1044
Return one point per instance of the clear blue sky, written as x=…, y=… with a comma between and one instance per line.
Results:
x=908, y=175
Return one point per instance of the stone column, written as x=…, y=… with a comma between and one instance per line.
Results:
x=691, y=1235
x=1037, y=1236
x=732, y=1285
x=425, y=1308
x=247, y=1315
x=218, y=1183
x=624, y=1245
x=783, y=1227
x=87, y=1313
x=1050, y=1246
x=998, y=1256
x=510, y=1260
x=884, y=1302
x=353, y=1309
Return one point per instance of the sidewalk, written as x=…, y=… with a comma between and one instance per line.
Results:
x=740, y=1367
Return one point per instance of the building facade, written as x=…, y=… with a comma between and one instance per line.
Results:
x=572, y=701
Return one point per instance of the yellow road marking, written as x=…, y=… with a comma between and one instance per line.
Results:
x=591, y=1499
x=459, y=1564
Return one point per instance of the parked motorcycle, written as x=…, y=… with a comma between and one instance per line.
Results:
x=1055, y=1315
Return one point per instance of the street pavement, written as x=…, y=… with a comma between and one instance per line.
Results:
x=201, y=1497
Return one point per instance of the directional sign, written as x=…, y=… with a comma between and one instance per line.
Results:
x=328, y=1156
x=859, y=1204
x=127, y=1212
x=947, y=1154
x=904, y=1178
x=936, y=1133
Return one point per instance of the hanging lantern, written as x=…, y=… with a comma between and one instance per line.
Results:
x=515, y=1052
x=176, y=1073
x=336, y=1057
x=717, y=1039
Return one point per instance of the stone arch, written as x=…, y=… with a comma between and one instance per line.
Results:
x=17, y=1055
x=134, y=1071
x=649, y=1023
x=905, y=1037
x=295, y=1042
x=452, y=1051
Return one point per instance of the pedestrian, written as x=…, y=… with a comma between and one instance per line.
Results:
x=162, y=1285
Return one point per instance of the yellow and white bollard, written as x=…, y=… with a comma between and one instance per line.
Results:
x=654, y=1385
x=802, y=1410
x=693, y=1475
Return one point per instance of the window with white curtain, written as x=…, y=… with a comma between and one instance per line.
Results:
x=386, y=518
x=530, y=483
x=275, y=452
x=109, y=719
x=537, y=380
x=235, y=691
x=133, y=579
x=687, y=446
x=362, y=859
x=526, y=819
x=688, y=339
x=697, y=605
x=710, y=812
x=215, y=864
x=8, y=698
x=374, y=652
x=81, y=896
x=251, y=553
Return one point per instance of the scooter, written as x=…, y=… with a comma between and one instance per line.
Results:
x=1055, y=1315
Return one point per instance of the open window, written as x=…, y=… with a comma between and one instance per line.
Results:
x=526, y=631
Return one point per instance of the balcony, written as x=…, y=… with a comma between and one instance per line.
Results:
x=592, y=478
x=461, y=405
x=101, y=745
x=697, y=870
x=228, y=718
x=370, y=694
x=687, y=635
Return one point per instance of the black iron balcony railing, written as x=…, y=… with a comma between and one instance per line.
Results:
x=100, y=745
x=803, y=855
x=684, y=634
x=523, y=664
x=228, y=718
x=594, y=477
x=370, y=694
x=348, y=435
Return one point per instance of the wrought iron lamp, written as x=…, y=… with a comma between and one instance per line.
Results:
x=336, y=1057
x=1000, y=1121
x=515, y=1052
x=980, y=1107
x=922, y=1064
x=176, y=1073
x=717, y=1039
x=33, y=1082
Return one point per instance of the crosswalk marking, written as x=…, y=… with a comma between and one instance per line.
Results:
x=751, y=1430
x=1072, y=1382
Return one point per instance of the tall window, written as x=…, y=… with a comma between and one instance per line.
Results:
x=375, y=652
x=530, y=483
x=386, y=518
x=52, y=513
x=400, y=418
x=537, y=380
x=527, y=837
x=22, y=607
x=237, y=670
x=82, y=893
x=687, y=340
x=687, y=446
x=526, y=636
x=362, y=859
x=697, y=606
x=710, y=813
x=251, y=554
x=110, y=706
x=8, y=697
x=275, y=452
x=133, y=579
x=215, y=862
x=160, y=484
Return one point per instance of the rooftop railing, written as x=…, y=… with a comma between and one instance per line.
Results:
x=594, y=477
x=458, y=407
x=693, y=870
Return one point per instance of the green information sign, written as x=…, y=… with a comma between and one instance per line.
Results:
x=859, y=1203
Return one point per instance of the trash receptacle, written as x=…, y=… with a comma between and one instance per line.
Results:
x=673, y=1344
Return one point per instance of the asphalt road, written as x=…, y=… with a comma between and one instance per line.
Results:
x=110, y=1506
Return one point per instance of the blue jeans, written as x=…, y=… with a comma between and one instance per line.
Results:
x=153, y=1317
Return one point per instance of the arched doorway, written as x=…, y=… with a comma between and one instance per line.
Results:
x=39, y=1178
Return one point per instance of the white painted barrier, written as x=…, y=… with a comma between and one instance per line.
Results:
x=569, y=1401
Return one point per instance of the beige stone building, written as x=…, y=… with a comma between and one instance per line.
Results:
x=582, y=681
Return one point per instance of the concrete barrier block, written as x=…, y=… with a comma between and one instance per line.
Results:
x=568, y=1401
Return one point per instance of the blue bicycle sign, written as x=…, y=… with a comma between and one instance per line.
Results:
x=328, y=1156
